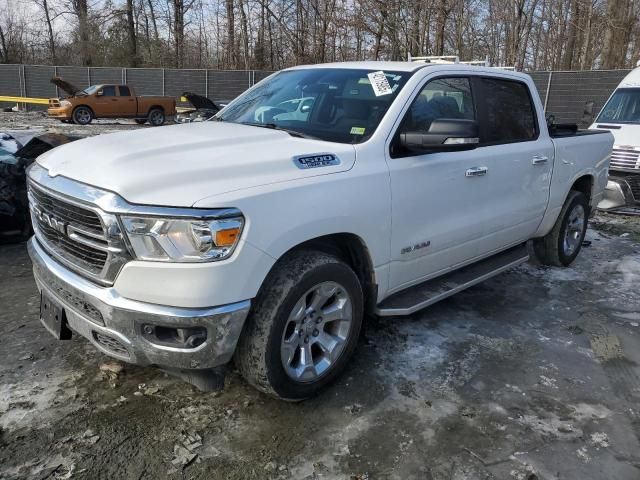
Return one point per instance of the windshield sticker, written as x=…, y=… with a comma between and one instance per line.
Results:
x=315, y=161
x=379, y=83
x=357, y=130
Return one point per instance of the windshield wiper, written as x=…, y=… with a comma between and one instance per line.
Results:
x=273, y=126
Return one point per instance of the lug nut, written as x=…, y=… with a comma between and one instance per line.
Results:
x=306, y=339
x=318, y=320
x=316, y=333
x=148, y=329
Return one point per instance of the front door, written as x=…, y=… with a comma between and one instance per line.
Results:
x=106, y=104
x=439, y=200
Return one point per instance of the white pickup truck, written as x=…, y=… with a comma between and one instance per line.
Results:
x=321, y=196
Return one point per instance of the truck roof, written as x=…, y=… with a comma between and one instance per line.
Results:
x=409, y=67
x=632, y=79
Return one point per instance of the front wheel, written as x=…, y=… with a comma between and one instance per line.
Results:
x=156, y=117
x=82, y=115
x=303, y=327
x=561, y=245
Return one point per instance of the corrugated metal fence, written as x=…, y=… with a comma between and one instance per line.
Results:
x=564, y=94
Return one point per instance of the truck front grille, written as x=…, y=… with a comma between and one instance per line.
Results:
x=625, y=158
x=76, y=235
x=634, y=184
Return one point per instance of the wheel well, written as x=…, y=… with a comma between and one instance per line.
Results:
x=159, y=107
x=351, y=249
x=584, y=185
x=85, y=106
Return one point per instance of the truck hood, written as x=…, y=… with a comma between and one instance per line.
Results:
x=181, y=164
x=200, y=102
x=628, y=135
x=65, y=86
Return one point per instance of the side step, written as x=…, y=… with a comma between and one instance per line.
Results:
x=427, y=293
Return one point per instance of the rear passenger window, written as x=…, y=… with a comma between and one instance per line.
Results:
x=124, y=91
x=508, y=113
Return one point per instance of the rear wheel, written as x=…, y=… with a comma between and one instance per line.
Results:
x=304, y=326
x=140, y=121
x=82, y=115
x=156, y=117
x=561, y=245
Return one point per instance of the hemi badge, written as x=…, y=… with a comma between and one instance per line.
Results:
x=315, y=161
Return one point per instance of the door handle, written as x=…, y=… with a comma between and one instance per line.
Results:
x=114, y=99
x=539, y=160
x=476, y=172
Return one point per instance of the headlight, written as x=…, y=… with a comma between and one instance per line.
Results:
x=182, y=240
x=65, y=103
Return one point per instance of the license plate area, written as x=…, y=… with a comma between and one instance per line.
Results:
x=52, y=316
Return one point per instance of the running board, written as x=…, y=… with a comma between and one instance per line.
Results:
x=427, y=293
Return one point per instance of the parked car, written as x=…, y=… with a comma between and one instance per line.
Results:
x=270, y=241
x=15, y=158
x=621, y=116
x=108, y=101
x=204, y=108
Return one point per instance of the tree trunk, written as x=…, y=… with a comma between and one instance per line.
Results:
x=131, y=29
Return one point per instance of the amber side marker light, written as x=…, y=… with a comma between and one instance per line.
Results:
x=227, y=237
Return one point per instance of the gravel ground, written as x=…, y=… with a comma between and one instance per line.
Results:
x=532, y=375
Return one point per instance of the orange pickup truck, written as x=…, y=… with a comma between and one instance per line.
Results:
x=108, y=101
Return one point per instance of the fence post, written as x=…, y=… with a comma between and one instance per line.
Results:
x=163, y=82
x=206, y=83
x=55, y=74
x=546, y=95
x=89, y=76
x=124, y=76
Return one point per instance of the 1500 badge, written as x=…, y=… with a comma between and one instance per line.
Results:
x=317, y=160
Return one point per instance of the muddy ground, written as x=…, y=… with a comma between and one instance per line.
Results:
x=532, y=375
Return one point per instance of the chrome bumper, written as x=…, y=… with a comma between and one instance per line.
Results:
x=618, y=194
x=114, y=324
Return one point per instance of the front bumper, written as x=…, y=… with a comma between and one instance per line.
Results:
x=63, y=113
x=619, y=192
x=114, y=324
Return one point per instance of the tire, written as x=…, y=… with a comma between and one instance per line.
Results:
x=562, y=244
x=270, y=350
x=156, y=117
x=82, y=115
x=140, y=121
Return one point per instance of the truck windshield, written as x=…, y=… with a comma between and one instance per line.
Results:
x=90, y=90
x=623, y=107
x=333, y=104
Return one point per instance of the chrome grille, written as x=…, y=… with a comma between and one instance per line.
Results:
x=634, y=184
x=80, y=236
x=625, y=158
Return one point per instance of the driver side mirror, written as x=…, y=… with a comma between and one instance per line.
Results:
x=99, y=93
x=444, y=135
x=305, y=108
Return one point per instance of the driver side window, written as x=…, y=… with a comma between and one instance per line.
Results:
x=443, y=98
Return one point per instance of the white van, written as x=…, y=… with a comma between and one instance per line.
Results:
x=621, y=115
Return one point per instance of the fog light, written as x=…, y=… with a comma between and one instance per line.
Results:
x=177, y=337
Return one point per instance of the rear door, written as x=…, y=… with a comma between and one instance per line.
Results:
x=127, y=102
x=519, y=157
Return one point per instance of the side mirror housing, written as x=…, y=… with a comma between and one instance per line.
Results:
x=99, y=93
x=444, y=135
